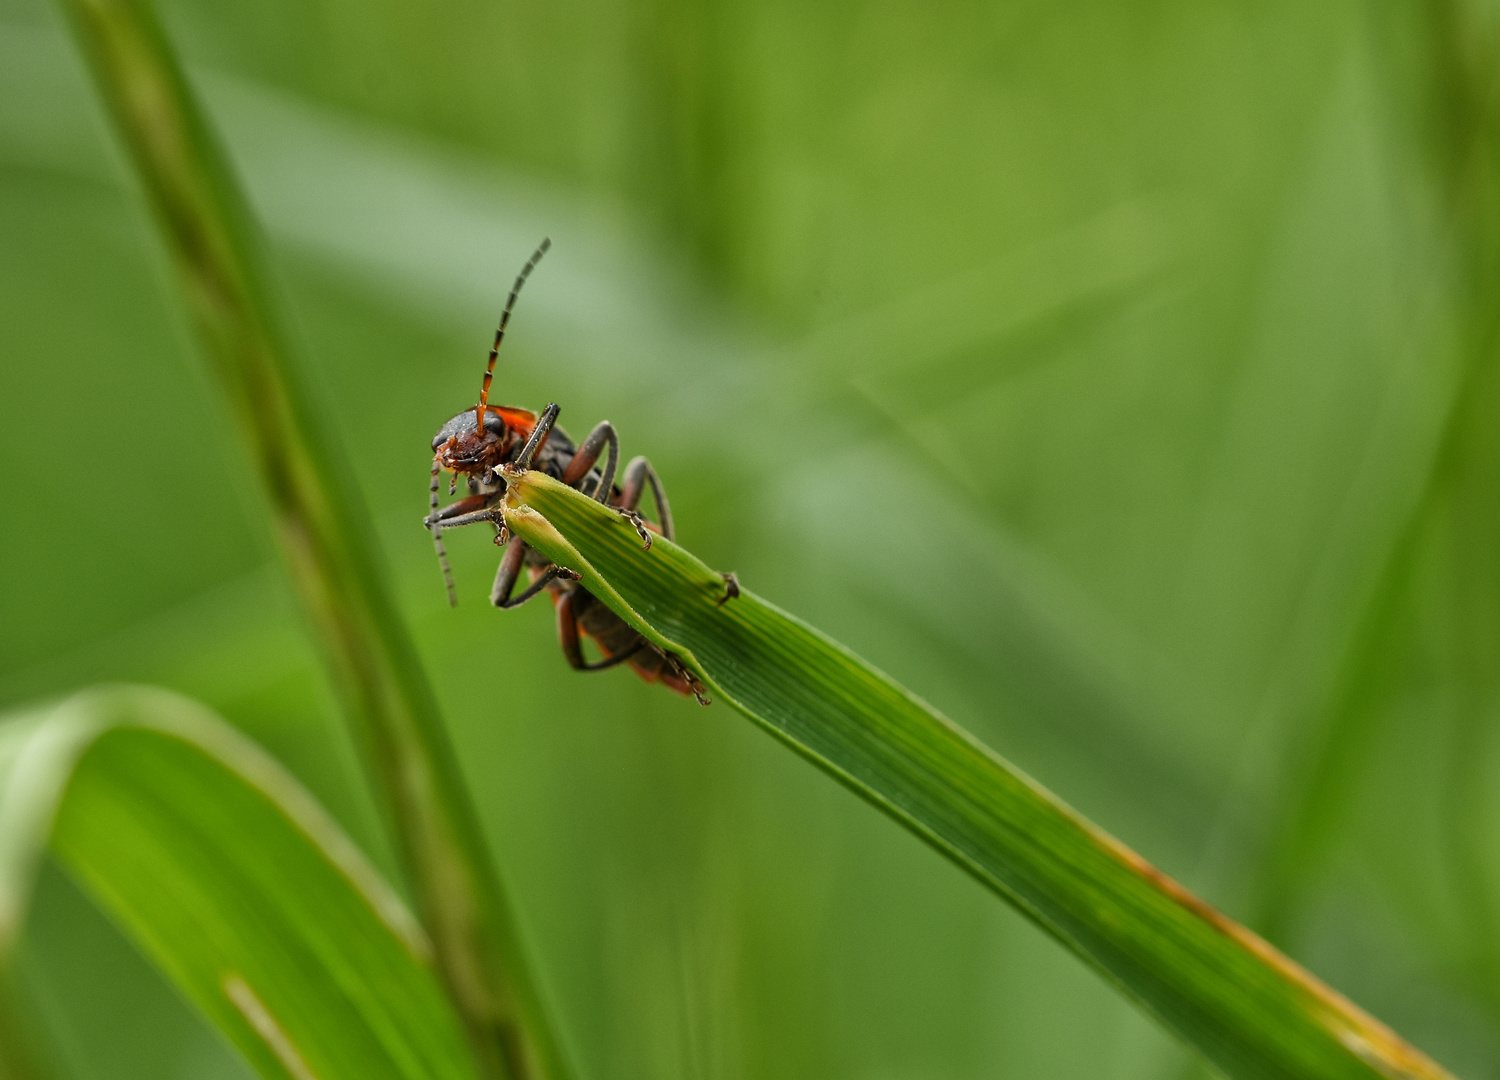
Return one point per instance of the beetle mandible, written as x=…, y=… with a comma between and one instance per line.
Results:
x=476, y=442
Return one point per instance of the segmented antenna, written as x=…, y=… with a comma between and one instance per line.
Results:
x=437, y=535
x=515, y=290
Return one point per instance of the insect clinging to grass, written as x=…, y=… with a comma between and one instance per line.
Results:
x=478, y=441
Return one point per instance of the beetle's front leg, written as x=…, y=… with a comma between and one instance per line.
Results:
x=588, y=453
x=538, y=436
x=489, y=514
x=465, y=511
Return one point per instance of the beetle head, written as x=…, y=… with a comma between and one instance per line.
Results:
x=461, y=447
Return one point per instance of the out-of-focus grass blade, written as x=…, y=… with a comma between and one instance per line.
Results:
x=1247, y=1008
x=216, y=250
x=230, y=877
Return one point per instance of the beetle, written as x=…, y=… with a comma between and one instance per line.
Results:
x=478, y=441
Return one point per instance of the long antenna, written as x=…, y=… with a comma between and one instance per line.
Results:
x=515, y=291
x=437, y=538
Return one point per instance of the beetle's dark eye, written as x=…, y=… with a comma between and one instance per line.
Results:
x=494, y=424
x=454, y=428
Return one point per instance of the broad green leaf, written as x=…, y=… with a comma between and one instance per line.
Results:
x=229, y=876
x=1245, y=1006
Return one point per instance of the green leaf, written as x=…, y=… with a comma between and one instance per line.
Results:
x=229, y=876
x=1246, y=1007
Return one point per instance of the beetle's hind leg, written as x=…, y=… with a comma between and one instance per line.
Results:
x=510, y=571
x=572, y=645
x=638, y=474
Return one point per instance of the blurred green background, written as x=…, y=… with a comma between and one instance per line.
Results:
x=1188, y=307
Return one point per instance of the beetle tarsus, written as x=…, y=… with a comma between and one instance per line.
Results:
x=639, y=524
x=731, y=587
x=688, y=677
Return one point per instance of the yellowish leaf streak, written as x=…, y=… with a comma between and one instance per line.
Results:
x=238, y=991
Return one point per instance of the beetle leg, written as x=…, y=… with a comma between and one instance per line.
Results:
x=467, y=519
x=507, y=573
x=681, y=671
x=462, y=508
x=638, y=474
x=637, y=523
x=588, y=453
x=553, y=573
x=538, y=436
x=572, y=647
x=510, y=570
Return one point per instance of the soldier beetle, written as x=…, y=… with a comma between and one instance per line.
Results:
x=478, y=441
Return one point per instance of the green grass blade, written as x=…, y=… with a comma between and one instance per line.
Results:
x=228, y=875
x=1247, y=1008
x=215, y=248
